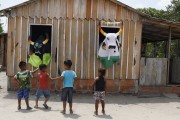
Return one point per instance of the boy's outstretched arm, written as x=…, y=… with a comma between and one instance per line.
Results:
x=49, y=77
x=16, y=79
x=105, y=88
x=55, y=78
x=75, y=78
x=35, y=70
x=93, y=85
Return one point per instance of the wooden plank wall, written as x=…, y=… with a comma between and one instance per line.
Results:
x=75, y=35
x=3, y=49
x=153, y=71
x=175, y=70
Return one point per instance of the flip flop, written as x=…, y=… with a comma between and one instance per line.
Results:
x=19, y=108
x=36, y=106
x=45, y=105
x=71, y=111
x=96, y=112
x=63, y=112
x=29, y=108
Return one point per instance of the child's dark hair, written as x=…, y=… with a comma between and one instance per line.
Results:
x=68, y=63
x=102, y=71
x=21, y=64
x=42, y=66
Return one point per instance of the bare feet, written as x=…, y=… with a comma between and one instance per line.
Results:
x=96, y=112
x=63, y=111
x=103, y=111
x=19, y=107
x=71, y=111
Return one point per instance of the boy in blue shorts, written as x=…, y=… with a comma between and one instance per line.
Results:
x=43, y=89
x=68, y=77
x=23, y=78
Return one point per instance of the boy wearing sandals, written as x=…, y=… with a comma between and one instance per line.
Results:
x=23, y=79
x=99, y=86
x=43, y=78
x=68, y=77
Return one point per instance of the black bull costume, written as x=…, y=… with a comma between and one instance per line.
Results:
x=40, y=51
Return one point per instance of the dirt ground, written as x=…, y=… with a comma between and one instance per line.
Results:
x=118, y=107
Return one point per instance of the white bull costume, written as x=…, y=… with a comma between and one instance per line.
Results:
x=109, y=48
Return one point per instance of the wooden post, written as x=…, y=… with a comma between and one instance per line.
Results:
x=168, y=55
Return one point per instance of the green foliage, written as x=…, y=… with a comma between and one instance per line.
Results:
x=174, y=10
x=155, y=13
x=172, y=13
x=155, y=49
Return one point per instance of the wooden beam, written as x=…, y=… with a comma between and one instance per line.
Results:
x=161, y=22
x=168, y=54
x=155, y=34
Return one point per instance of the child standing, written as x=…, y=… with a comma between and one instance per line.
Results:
x=23, y=78
x=43, y=78
x=99, y=86
x=68, y=77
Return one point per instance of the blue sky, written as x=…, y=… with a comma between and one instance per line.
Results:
x=158, y=4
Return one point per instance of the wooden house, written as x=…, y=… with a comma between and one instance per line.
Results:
x=75, y=35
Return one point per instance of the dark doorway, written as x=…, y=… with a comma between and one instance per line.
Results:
x=40, y=30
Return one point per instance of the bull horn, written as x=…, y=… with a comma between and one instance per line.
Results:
x=31, y=42
x=45, y=41
x=102, y=32
x=119, y=32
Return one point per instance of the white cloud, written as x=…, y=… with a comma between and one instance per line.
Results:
x=158, y=4
x=163, y=3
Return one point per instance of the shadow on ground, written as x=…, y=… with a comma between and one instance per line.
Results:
x=110, y=98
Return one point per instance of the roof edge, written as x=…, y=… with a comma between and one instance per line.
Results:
x=18, y=5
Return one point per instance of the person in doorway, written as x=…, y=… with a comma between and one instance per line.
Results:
x=99, y=88
x=23, y=79
x=43, y=78
x=68, y=76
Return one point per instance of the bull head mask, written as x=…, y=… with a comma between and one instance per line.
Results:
x=39, y=45
x=109, y=49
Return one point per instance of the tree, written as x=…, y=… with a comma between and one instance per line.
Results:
x=172, y=13
x=174, y=10
x=155, y=13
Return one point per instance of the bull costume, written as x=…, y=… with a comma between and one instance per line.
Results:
x=40, y=52
x=109, y=48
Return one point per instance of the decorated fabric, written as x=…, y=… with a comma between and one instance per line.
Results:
x=46, y=58
x=35, y=60
x=109, y=49
x=41, y=51
x=24, y=79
